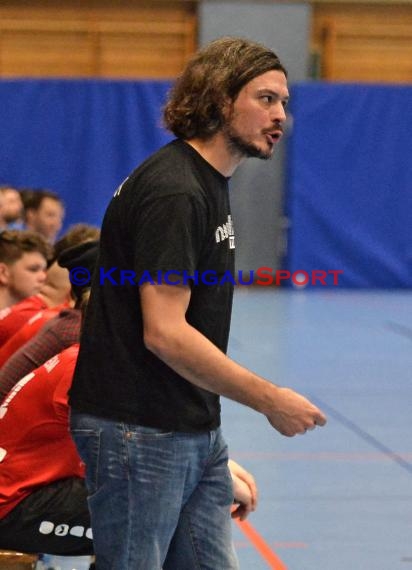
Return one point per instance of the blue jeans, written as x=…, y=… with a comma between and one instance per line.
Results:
x=157, y=499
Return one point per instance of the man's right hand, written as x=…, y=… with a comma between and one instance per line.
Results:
x=189, y=353
x=293, y=414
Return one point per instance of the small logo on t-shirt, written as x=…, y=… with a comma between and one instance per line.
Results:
x=119, y=188
x=52, y=363
x=226, y=232
x=13, y=392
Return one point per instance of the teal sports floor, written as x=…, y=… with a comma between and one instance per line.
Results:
x=339, y=497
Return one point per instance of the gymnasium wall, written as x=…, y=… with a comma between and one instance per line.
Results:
x=349, y=183
x=85, y=38
x=78, y=137
x=81, y=136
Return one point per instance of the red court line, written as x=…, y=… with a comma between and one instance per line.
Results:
x=261, y=546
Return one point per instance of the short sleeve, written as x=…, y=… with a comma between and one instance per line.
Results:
x=169, y=235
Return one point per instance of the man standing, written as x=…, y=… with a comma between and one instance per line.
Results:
x=152, y=362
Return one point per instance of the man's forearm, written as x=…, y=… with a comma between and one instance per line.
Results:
x=195, y=358
x=189, y=353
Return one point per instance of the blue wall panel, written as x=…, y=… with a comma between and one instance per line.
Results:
x=349, y=171
x=349, y=183
x=80, y=138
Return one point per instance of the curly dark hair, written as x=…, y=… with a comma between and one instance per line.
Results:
x=214, y=75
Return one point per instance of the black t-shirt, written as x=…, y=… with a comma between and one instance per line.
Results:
x=171, y=215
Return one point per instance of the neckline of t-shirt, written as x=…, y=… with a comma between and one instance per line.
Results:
x=199, y=157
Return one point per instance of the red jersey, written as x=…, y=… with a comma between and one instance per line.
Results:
x=25, y=333
x=35, y=443
x=13, y=318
